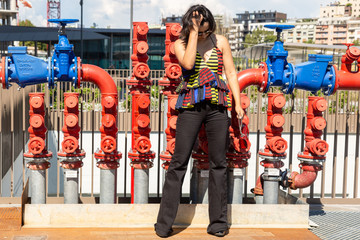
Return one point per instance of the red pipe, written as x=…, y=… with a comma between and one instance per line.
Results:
x=254, y=76
x=306, y=178
x=259, y=190
x=99, y=77
x=108, y=156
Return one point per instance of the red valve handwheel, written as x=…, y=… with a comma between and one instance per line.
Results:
x=141, y=70
x=36, y=145
x=70, y=144
x=173, y=71
x=108, y=144
x=143, y=144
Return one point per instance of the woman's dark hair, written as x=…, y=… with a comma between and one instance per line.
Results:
x=187, y=20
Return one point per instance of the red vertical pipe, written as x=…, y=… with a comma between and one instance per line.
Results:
x=37, y=131
x=315, y=148
x=140, y=154
x=169, y=82
x=70, y=144
x=275, y=144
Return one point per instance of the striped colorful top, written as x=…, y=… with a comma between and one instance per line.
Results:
x=204, y=83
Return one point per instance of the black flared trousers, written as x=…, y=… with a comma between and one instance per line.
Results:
x=189, y=121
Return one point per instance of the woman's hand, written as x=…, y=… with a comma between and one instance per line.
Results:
x=196, y=20
x=239, y=111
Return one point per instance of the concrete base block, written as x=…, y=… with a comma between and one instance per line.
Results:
x=144, y=215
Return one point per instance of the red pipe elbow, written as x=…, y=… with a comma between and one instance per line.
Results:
x=255, y=76
x=302, y=180
x=99, y=77
x=306, y=178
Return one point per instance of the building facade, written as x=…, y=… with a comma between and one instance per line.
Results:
x=8, y=12
x=303, y=32
x=246, y=22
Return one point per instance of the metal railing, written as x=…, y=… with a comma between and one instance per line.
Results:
x=338, y=182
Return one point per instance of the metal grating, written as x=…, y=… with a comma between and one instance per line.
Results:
x=10, y=218
x=334, y=225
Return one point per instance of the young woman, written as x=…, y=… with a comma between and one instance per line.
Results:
x=203, y=98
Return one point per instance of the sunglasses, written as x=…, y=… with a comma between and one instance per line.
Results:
x=205, y=32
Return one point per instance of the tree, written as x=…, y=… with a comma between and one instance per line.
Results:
x=26, y=23
x=356, y=43
x=259, y=36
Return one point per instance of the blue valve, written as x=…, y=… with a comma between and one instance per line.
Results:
x=63, y=62
x=26, y=70
x=281, y=73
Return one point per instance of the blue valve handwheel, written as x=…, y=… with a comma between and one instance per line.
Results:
x=279, y=27
x=63, y=21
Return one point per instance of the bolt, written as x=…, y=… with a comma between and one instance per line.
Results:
x=73, y=79
x=54, y=60
x=9, y=78
x=55, y=78
x=287, y=84
x=74, y=68
x=47, y=78
x=272, y=73
x=73, y=60
x=9, y=68
x=330, y=76
x=288, y=74
x=47, y=68
x=9, y=60
x=326, y=92
x=271, y=83
x=284, y=90
x=330, y=85
x=19, y=88
x=261, y=89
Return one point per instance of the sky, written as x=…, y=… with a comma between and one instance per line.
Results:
x=116, y=13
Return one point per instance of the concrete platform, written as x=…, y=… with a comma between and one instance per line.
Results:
x=148, y=233
x=144, y=215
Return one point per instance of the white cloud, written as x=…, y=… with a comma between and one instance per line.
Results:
x=116, y=13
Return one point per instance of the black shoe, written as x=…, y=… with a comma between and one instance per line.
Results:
x=221, y=233
x=164, y=235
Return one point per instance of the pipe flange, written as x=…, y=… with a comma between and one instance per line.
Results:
x=3, y=72
x=334, y=77
x=289, y=86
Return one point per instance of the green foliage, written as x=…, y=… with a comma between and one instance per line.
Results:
x=26, y=23
x=356, y=43
x=259, y=36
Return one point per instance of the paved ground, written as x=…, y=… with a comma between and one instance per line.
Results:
x=140, y=234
